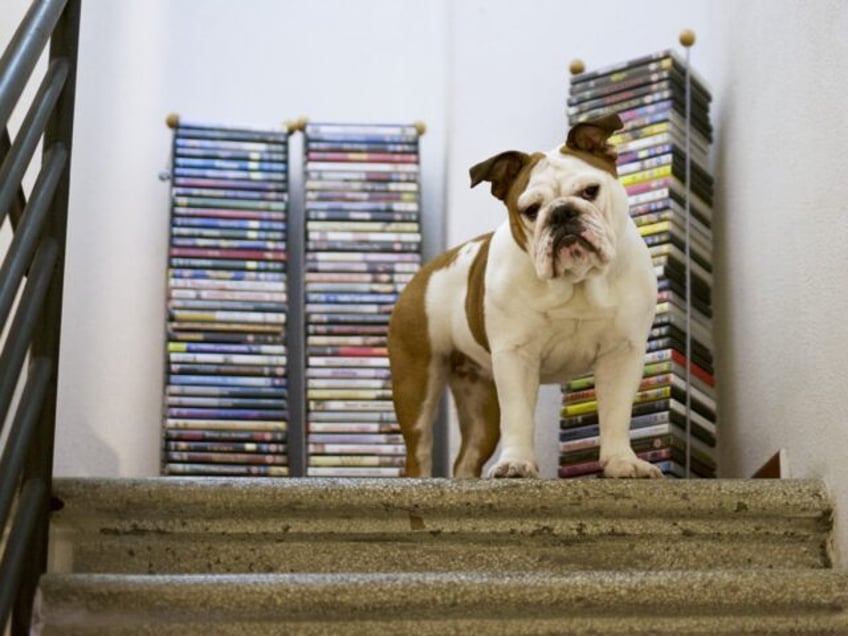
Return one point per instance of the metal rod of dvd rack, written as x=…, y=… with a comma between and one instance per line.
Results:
x=296, y=327
x=36, y=254
x=687, y=39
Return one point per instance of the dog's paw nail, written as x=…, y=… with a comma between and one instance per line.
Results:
x=630, y=468
x=514, y=469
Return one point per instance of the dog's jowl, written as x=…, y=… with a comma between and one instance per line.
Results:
x=563, y=286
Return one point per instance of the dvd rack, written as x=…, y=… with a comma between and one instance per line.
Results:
x=363, y=244
x=663, y=152
x=226, y=407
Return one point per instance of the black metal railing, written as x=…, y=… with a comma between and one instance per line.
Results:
x=31, y=277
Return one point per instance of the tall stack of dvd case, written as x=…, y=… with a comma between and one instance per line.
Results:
x=363, y=244
x=674, y=413
x=226, y=386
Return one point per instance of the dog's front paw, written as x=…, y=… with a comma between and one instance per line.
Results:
x=513, y=468
x=630, y=467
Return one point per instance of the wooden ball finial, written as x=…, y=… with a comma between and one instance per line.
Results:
x=576, y=67
x=421, y=127
x=297, y=125
x=172, y=120
x=687, y=37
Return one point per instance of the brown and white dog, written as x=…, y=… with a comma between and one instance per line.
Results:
x=565, y=285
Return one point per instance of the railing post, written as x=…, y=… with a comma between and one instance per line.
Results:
x=39, y=461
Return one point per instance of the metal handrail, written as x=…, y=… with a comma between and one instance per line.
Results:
x=21, y=56
x=19, y=200
x=20, y=155
x=31, y=277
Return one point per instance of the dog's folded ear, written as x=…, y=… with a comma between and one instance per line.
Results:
x=501, y=170
x=591, y=137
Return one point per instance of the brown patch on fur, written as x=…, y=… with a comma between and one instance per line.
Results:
x=491, y=422
x=588, y=141
x=508, y=172
x=463, y=367
x=410, y=354
x=479, y=414
x=476, y=292
x=500, y=170
x=515, y=191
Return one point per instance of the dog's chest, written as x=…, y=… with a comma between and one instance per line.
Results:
x=570, y=346
x=569, y=336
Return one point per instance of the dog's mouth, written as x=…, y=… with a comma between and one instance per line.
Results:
x=572, y=237
x=568, y=239
x=570, y=249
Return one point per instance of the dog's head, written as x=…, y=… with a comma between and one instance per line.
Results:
x=566, y=206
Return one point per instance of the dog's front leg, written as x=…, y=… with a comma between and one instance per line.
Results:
x=516, y=377
x=617, y=377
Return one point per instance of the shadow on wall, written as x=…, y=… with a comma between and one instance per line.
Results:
x=93, y=457
x=725, y=336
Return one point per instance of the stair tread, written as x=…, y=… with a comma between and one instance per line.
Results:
x=437, y=597
x=267, y=497
x=162, y=553
x=209, y=525
x=772, y=625
x=562, y=582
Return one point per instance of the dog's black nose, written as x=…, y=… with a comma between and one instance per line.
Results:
x=563, y=214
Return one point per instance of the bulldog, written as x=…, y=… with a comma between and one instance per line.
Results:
x=563, y=286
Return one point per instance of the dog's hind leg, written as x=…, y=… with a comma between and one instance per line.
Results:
x=416, y=393
x=418, y=379
x=479, y=416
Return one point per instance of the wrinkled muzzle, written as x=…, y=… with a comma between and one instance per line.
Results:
x=571, y=241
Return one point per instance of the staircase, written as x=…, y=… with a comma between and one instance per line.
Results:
x=314, y=556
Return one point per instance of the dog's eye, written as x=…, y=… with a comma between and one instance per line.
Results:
x=531, y=212
x=590, y=193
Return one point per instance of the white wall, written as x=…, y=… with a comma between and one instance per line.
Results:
x=782, y=240
x=486, y=75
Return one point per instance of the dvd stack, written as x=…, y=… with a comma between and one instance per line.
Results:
x=363, y=244
x=674, y=414
x=225, y=395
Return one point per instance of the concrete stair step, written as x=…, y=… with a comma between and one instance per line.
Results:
x=210, y=526
x=697, y=602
